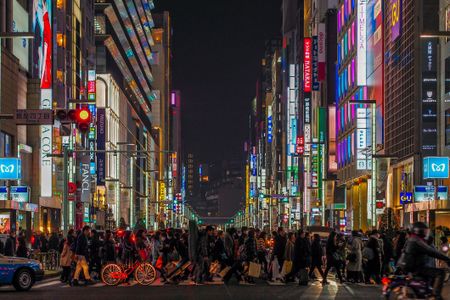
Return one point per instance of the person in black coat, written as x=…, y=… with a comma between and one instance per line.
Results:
x=109, y=250
x=316, y=256
x=82, y=255
x=300, y=256
x=22, y=250
x=333, y=259
x=10, y=245
x=279, y=246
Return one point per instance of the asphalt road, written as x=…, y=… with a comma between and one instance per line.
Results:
x=53, y=289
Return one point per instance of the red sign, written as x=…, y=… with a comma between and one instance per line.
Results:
x=72, y=188
x=307, y=64
x=91, y=87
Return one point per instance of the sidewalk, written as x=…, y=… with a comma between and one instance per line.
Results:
x=51, y=273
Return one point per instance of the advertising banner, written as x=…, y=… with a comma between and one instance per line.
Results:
x=20, y=24
x=426, y=193
x=18, y=193
x=435, y=167
x=101, y=143
x=361, y=38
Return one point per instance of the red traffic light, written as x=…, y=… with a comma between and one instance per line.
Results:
x=83, y=115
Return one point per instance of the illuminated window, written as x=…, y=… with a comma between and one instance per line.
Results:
x=60, y=4
x=60, y=40
x=157, y=35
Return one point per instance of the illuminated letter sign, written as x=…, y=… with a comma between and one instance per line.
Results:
x=361, y=51
x=307, y=64
x=396, y=18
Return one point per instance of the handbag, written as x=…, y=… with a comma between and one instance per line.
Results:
x=224, y=272
x=214, y=267
x=254, y=270
x=287, y=267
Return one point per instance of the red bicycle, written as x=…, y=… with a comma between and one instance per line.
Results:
x=113, y=274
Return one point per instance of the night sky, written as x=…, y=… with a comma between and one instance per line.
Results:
x=217, y=48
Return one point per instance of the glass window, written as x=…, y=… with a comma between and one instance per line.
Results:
x=447, y=127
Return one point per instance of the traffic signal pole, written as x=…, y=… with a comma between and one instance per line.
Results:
x=66, y=191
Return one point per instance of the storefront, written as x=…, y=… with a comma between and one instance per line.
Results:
x=16, y=215
x=49, y=214
x=434, y=212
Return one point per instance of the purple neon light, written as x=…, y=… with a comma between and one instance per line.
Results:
x=173, y=99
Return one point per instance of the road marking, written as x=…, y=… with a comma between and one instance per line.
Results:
x=50, y=283
x=349, y=289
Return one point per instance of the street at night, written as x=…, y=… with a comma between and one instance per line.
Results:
x=224, y=149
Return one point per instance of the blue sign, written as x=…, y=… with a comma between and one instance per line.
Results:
x=426, y=193
x=435, y=167
x=405, y=197
x=18, y=193
x=10, y=168
x=269, y=129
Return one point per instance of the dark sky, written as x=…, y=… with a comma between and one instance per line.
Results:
x=217, y=49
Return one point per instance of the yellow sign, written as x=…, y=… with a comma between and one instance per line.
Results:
x=162, y=191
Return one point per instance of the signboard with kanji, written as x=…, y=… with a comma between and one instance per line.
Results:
x=34, y=117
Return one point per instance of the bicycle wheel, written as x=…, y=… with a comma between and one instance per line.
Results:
x=145, y=274
x=111, y=274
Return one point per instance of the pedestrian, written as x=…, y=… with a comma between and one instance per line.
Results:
x=299, y=263
x=66, y=259
x=399, y=243
x=109, y=248
x=388, y=257
x=128, y=248
x=82, y=254
x=95, y=252
x=250, y=252
x=279, y=246
x=43, y=243
x=316, y=257
x=333, y=257
x=261, y=250
x=354, y=266
x=36, y=241
x=10, y=245
x=371, y=257
x=2, y=247
x=53, y=242
x=202, y=263
x=22, y=250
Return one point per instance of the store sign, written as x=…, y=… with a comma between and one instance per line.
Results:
x=362, y=157
x=321, y=51
x=269, y=129
x=162, y=191
x=91, y=85
x=18, y=193
x=34, y=117
x=10, y=168
x=361, y=37
x=396, y=19
x=406, y=197
x=307, y=45
x=435, y=167
x=426, y=193
x=101, y=143
x=315, y=63
x=84, y=178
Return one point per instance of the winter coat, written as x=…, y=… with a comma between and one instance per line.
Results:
x=229, y=245
x=250, y=249
x=356, y=249
x=317, y=253
x=66, y=256
x=22, y=250
x=289, y=252
x=82, y=248
x=300, y=253
x=279, y=247
x=10, y=246
x=109, y=250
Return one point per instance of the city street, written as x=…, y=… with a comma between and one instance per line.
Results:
x=53, y=288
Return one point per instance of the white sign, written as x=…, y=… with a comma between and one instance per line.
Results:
x=46, y=147
x=362, y=151
x=20, y=24
x=361, y=37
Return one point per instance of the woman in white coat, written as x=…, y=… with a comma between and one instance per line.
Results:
x=354, y=266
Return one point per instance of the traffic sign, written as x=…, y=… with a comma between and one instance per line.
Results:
x=34, y=117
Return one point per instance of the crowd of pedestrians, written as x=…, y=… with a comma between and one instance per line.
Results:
x=279, y=256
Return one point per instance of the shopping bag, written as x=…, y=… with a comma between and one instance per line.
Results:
x=254, y=270
x=214, y=267
x=275, y=267
x=159, y=263
x=287, y=267
x=224, y=272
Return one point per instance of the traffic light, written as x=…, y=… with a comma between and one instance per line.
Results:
x=66, y=116
x=83, y=119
